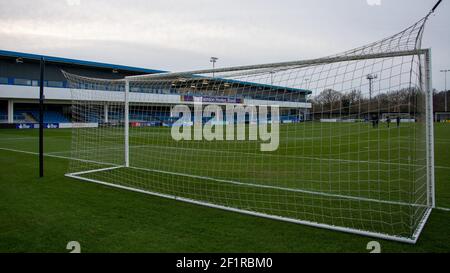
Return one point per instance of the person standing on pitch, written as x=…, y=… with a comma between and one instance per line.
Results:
x=398, y=121
x=375, y=121
x=388, y=121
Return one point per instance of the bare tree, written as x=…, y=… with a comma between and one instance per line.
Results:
x=328, y=101
x=439, y=101
x=352, y=102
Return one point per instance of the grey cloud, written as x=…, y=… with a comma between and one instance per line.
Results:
x=179, y=35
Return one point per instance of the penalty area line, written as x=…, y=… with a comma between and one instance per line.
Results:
x=58, y=156
x=115, y=166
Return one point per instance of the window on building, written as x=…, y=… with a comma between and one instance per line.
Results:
x=55, y=84
x=22, y=81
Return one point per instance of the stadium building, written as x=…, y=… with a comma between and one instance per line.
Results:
x=19, y=92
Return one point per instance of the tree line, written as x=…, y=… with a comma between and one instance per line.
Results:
x=407, y=100
x=439, y=100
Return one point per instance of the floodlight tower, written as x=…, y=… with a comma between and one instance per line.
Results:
x=445, y=91
x=371, y=77
x=271, y=77
x=213, y=60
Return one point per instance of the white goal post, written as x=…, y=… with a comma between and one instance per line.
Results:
x=357, y=175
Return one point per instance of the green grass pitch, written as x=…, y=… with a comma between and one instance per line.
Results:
x=42, y=215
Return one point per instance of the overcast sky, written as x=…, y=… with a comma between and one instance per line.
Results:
x=180, y=35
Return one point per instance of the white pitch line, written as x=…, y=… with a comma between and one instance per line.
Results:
x=332, y=195
x=287, y=156
x=32, y=138
x=18, y=138
x=95, y=171
x=256, y=154
x=115, y=166
x=269, y=216
x=225, y=181
x=291, y=138
x=57, y=156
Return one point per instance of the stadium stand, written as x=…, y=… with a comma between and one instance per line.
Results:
x=23, y=116
x=50, y=116
x=19, y=82
x=3, y=116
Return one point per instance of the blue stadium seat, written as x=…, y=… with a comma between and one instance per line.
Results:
x=49, y=116
x=3, y=116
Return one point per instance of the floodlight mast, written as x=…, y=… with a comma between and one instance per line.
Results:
x=370, y=77
x=271, y=76
x=213, y=60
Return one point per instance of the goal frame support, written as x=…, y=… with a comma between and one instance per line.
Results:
x=127, y=123
x=429, y=131
x=427, y=81
x=383, y=236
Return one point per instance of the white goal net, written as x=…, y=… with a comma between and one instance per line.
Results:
x=320, y=142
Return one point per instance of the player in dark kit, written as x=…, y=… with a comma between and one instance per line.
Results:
x=375, y=121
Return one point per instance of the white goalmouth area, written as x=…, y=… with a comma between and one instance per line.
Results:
x=354, y=138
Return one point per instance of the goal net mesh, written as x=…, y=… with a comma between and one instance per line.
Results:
x=351, y=149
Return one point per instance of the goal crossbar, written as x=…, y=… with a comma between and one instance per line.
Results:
x=300, y=63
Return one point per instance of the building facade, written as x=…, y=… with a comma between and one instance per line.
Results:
x=19, y=90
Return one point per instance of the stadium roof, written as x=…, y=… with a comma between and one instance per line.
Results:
x=51, y=59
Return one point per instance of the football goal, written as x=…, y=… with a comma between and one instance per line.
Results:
x=250, y=139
